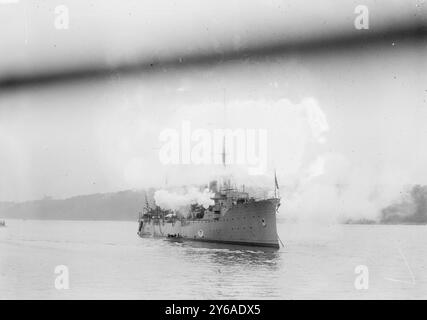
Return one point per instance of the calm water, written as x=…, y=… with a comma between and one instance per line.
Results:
x=107, y=260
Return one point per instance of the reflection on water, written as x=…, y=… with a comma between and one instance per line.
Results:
x=227, y=254
x=229, y=271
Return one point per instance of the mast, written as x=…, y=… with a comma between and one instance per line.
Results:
x=223, y=154
x=225, y=120
x=146, y=200
x=147, y=206
x=223, y=151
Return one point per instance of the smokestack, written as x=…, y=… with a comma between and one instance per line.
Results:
x=213, y=186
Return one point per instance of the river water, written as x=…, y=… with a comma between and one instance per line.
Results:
x=107, y=260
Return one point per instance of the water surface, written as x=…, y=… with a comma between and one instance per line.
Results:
x=107, y=260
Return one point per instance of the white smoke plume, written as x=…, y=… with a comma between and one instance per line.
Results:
x=332, y=189
x=321, y=178
x=181, y=199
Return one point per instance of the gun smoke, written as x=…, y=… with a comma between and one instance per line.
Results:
x=181, y=199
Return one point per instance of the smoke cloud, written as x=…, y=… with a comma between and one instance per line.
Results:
x=412, y=207
x=332, y=189
x=181, y=199
x=320, y=182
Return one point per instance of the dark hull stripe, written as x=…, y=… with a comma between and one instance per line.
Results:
x=257, y=244
x=240, y=243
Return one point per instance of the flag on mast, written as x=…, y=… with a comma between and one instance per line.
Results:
x=276, y=184
x=275, y=180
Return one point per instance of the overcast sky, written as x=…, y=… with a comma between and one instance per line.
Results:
x=89, y=136
x=115, y=31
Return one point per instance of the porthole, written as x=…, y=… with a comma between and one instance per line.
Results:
x=263, y=222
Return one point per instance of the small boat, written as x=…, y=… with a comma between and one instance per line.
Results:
x=2, y=223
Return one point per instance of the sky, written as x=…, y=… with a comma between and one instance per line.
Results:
x=346, y=128
x=98, y=33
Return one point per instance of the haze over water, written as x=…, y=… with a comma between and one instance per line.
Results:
x=107, y=260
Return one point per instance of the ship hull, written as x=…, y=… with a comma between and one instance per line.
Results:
x=252, y=224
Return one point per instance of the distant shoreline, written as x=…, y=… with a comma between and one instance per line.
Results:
x=385, y=223
x=125, y=206
x=279, y=221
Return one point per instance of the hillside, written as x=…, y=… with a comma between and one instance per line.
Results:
x=123, y=205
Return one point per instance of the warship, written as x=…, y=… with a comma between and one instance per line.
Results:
x=234, y=218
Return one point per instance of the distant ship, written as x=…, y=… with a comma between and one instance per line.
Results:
x=2, y=223
x=234, y=218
